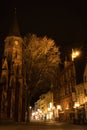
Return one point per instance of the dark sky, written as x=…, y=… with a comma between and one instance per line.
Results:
x=62, y=20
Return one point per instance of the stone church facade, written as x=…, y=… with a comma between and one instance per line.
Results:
x=12, y=99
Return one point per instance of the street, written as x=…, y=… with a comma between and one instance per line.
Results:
x=41, y=126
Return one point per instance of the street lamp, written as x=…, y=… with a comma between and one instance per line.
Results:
x=58, y=108
x=75, y=53
x=29, y=112
x=76, y=106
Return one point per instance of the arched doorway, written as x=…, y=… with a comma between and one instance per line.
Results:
x=9, y=102
x=4, y=97
x=11, y=99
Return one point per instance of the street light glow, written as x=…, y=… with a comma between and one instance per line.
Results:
x=58, y=107
x=75, y=53
x=76, y=105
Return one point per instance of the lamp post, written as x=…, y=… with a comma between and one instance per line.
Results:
x=29, y=113
x=76, y=106
x=58, y=109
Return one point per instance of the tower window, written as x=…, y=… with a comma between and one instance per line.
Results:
x=16, y=42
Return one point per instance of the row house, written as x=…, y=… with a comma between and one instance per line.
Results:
x=70, y=96
x=65, y=95
x=81, y=90
x=71, y=93
x=46, y=106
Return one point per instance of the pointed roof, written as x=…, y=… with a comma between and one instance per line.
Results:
x=14, y=29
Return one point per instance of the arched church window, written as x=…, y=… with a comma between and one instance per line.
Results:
x=4, y=82
x=18, y=70
x=12, y=83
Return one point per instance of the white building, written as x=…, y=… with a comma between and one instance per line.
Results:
x=46, y=106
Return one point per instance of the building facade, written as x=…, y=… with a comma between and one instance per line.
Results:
x=85, y=89
x=65, y=95
x=45, y=105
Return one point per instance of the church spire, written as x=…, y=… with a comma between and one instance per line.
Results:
x=14, y=29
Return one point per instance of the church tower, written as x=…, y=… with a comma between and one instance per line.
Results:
x=11, y=77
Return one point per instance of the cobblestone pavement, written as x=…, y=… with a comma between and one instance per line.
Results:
x=41, y=126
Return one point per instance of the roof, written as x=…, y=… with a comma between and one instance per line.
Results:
x=14, y=29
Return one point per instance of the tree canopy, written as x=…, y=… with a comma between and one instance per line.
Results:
x=41, y=58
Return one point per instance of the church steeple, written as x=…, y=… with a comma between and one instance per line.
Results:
x=12, y=76
x=14, y=29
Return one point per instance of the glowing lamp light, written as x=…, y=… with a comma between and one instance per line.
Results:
x=67, y=107
x=58, y=107
x=51, y=105
x=16, y=42
x=30, y=107
x=75, y=53
x=33, y=113
x=48, y=109
x=76, y=105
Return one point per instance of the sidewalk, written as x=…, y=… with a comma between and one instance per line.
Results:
x=6, y=122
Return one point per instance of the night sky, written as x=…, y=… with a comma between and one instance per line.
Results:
x=64, y=21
